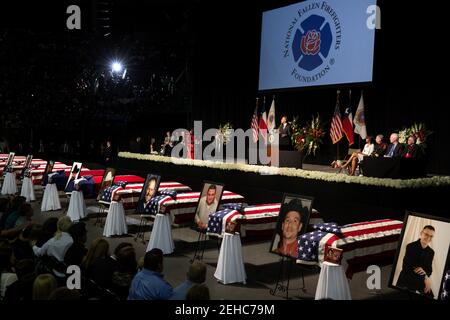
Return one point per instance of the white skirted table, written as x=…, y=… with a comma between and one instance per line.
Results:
x=333, y=283
x=115, y=224
x=77, y=207
x=161, y=235
x=230, y=266
x=50, y=200
x=9, y=184
x=27, y=190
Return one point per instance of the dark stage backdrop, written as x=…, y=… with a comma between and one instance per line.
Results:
x=407, y=86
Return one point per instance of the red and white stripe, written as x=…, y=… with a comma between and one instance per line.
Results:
x=131, y=193
x=364, y=241
x=182, y=209
x=261, y=218
x=337, y=130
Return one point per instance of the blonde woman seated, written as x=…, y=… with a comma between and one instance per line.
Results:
x=357, y=157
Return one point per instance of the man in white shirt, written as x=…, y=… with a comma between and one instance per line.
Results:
x=207, y=205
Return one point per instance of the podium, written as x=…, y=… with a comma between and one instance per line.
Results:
x=9, y=184
x=27, y=190
x=230, y=266
x=161, y=235
x=116, y=223
x=333, y=283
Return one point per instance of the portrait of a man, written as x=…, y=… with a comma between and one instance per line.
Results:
x=292, y=221
x=74, y=172
x=208, y=203
x=10, y=159
x=107, y=181
x=417, y=265
x=421, y=255
x=149, y=190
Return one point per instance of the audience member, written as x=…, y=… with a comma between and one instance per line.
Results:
x=149, y=284
x=195, y=275
x=43, y=286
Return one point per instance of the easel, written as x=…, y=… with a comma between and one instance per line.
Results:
x=200, y=244
x=101, y=210
x=286, y=264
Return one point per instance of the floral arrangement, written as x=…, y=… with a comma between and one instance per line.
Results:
x=303, y=174
x=310, y=137
x=418, y=130
x=224, y=133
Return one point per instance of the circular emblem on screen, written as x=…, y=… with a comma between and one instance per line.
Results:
x=312, y=42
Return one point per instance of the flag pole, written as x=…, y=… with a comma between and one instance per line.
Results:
x=337, y=143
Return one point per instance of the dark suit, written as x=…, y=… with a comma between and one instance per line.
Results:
x=412, y=150
x=285, y=133
x=379, y=150
x=415, y=256
x=396, y=152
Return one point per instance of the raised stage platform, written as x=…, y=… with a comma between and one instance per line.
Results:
x=338, y=197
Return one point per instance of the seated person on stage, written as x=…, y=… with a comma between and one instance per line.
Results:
x=359, y=156
x=380, y=147
x=412, y=149
x=395, y=149
x=417, y=264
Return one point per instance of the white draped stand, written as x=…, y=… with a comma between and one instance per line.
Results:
x=50, y=200
x=28, y=189
x=230, y=267
x=115, y=224
x=161, y=235
x=77, y=207
x=9, y=184
x=333, y=283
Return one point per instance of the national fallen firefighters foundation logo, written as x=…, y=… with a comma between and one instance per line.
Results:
x=312, y=42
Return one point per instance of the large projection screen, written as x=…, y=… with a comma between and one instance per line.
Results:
x=317, y=43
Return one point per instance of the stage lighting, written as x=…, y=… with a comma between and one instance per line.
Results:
x=116, y=67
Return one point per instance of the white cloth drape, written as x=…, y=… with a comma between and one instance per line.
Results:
x=77, y=207
x=9, y=184
x=333, y=283
x=115, y=224
x=161, y=235
x=50, y=200
x=27, y=189
x=230, y=266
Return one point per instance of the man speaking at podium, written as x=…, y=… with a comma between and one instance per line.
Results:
x=285, y=132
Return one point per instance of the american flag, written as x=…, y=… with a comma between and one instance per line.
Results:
x=263, y=122
x=254, y=125
x=365, y=241
x=445, y=295
x=216, y=221
x=336, y=131
x=308, y=244
x=235, y=206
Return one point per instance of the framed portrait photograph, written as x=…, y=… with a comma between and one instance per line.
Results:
x=421, y=256
x=292, y=221
x=149, y=191
x=10, y=159
x=444, y=293
x=333, y=255
x=27, y=164
x=74, y=173
x=107, y=181
x=208, y=203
